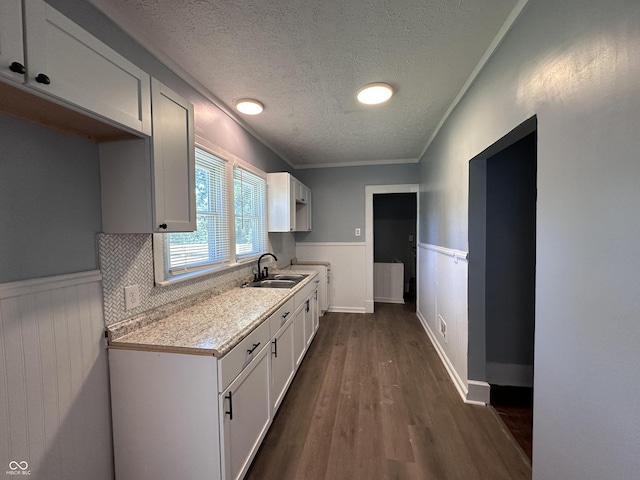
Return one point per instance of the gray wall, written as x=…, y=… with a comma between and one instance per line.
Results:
x=511, y=255
x=576, y=65
x=338, y=198
x=50, y=198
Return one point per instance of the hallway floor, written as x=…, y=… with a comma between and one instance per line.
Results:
x=514, y=406
x=372, y=400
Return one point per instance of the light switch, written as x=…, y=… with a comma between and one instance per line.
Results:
x=411, y=238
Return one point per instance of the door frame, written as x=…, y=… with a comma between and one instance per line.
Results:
x=476, y=237
x=369, y=192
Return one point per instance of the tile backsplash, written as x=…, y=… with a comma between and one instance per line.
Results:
x=128, y=260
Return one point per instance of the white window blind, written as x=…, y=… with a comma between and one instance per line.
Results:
x=210, y=243
x=250, y=196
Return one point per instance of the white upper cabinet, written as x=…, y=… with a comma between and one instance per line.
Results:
x=148, y=185
x=11, y=48
x=289, y=203
x=302, y=192
x=173, y=161
x=70, y=65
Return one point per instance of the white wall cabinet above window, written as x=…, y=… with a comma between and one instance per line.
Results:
x=148, y=184
x=289, y=203
x=62, y=62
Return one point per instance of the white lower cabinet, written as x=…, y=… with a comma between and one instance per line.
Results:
x=315, y=308
x=165, y=416
x=309, y=327
x=178, y=415
x=245, y=415
x=282, y=363
x=299, y=343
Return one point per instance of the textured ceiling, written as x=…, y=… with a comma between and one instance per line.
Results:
x=305, y=60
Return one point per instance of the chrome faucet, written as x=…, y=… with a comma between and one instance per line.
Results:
x=260, y=275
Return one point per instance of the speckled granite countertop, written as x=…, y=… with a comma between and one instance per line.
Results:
x=212, y=327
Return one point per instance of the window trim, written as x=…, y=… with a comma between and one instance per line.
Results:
x=163, y=276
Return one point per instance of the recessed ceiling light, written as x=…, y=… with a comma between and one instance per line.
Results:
x=374, y=93
x=249, y=106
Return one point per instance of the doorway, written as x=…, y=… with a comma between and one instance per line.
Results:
x=370, y=191
x=394, y=247
x=502, y=259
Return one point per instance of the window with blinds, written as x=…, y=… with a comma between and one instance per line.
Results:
x=210, y=244
x=250, y=196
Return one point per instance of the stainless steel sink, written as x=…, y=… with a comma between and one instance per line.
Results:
x=277, y=283
x=289, y=276
x=279, y=280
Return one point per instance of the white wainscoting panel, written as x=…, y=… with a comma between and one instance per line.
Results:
x=347, y=272
x=442, y=296
x=54, y=388
x=388, y=282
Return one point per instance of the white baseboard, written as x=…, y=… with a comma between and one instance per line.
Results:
x=457, y=381
x=388, y=300
x=511, y=374
x=479, y=392
x=338, y=309
x=369, y=306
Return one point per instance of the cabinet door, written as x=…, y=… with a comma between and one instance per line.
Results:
x=315, y=312
x=282, y=364
x=308, y=321
x=280, y=198
x=303, y=215
x=303, y=193
x=298, y=333
x=11, y=49
x=173, y=161
x=68, y=63
x=293, y=189
x=245, y=416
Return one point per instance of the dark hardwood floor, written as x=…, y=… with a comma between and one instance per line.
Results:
x=372, y=400
x=514, y=406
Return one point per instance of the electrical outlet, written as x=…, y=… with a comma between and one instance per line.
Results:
x=442, y=327
x=357, y=232
x=131, y=297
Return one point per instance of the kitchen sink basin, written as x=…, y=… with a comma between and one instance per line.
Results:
x=289, y=276
x=279, y=281
x=276, y=283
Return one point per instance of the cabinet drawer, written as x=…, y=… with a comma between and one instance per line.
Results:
x=280, y=317
x=239, y=357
